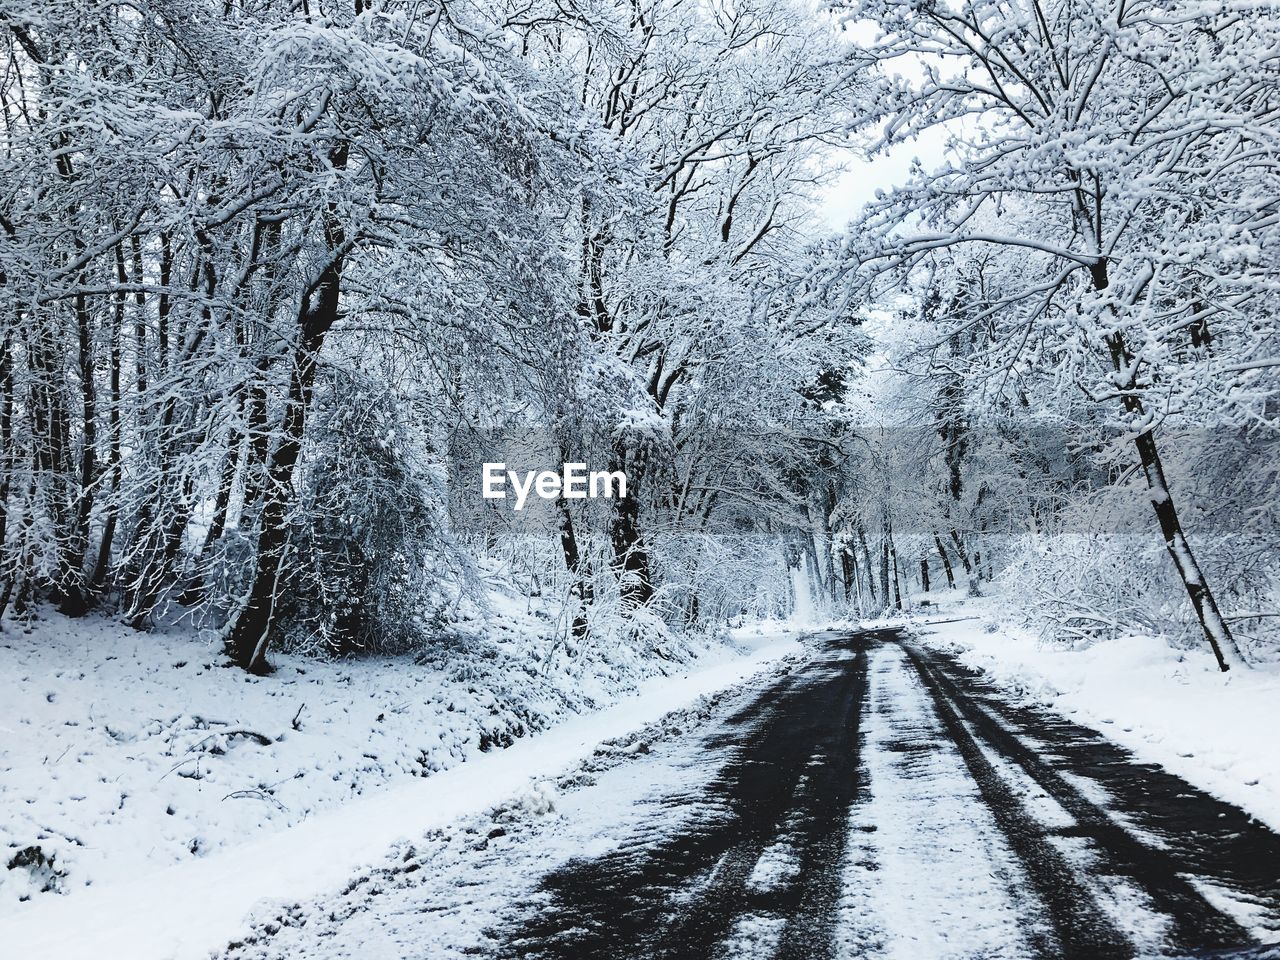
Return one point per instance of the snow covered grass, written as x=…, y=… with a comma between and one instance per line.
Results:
x=1168, y=706
x=122, y=753
x=197, y=905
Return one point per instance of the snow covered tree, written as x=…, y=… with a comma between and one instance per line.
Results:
x=720, y=111
x=1116, y=162
x=368, y=549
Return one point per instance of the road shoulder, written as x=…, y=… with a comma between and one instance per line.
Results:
x=1168, y=707
x=188, y=910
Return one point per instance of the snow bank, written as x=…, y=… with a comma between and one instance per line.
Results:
x=1171, y=707
x=122, y=766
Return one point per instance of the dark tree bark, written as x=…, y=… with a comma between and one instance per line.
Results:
x=866, y=562
x=250, y=636
x=892, y=552
x=630, y=552
x=222, y=499
x=103, y=562
x=884, y=570
x=819, y=507
x=7, y=574
x=51, y=429
x=265, y=247
x=970, y=568
x=946, y=562
x=580, y=591
x=1216, y=632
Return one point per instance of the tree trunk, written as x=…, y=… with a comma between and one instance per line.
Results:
x=167, y=512
x=103, y=561
x=631, y=554
x=971, y=573
x=7, y=573
x=884, y=570
x=820, y=532
x=250, y=636
x=866, y=562
x=222, y=499
x=75, y=600
x=946, y=562
x=892, y=551
x=580, y=590
x=961, y=552
x=1216, y=632
x=51, y=435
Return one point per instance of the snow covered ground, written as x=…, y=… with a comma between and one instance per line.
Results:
x=134, y=765
x=846, y=810
x=160, y=801
x=1171, y=707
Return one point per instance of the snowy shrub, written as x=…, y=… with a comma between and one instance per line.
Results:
x=367, y=547
x=1076, y=589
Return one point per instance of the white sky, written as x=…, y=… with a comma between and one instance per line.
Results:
x=849, y=191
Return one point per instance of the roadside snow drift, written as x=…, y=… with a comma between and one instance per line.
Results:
x=150, y=797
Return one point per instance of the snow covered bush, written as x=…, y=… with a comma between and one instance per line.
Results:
x=1075, y=589
x=368, y=552
x=1100, y=570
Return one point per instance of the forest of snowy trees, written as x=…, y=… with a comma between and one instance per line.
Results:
x=277, y=276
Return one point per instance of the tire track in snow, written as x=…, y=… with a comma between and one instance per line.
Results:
x=1229, y=858
x=714, y=891
x=1079, y=922
x=928, y=873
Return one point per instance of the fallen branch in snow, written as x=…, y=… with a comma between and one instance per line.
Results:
x=255, y=795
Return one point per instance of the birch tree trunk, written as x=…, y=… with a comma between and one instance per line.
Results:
x=1216, y=632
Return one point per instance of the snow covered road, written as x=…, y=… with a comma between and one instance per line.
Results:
x=880, y=802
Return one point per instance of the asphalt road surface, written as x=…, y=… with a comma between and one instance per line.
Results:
x=879, y=801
